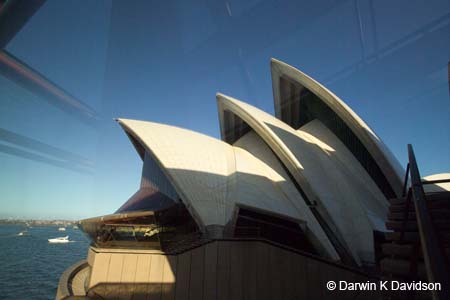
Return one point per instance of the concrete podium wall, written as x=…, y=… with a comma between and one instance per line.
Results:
x=217, y=270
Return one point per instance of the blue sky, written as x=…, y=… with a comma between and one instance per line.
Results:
x=164, y=61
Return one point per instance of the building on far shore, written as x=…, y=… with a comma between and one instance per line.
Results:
x=276, y=208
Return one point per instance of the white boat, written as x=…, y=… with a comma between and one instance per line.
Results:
x=62, y=229
x=75, y=227
x=22, y=233
x=64, y=239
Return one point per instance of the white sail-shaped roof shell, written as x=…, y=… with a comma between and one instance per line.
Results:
x=212, y=177
x=387, y=162
x=325, y=170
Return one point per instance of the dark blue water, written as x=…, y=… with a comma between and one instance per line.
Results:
x=30, y=267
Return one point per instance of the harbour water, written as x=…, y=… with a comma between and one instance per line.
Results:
x=30, y=266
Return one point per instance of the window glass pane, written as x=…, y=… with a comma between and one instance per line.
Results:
x=255, y=224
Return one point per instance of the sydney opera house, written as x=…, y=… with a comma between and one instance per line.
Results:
x=276, y=208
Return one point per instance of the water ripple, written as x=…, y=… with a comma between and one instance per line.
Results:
x=31, y=267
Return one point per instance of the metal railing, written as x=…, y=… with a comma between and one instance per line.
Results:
x=435, y=262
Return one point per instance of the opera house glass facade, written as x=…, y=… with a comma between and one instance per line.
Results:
x=312, y=180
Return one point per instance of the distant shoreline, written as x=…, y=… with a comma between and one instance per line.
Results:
x=38, y=222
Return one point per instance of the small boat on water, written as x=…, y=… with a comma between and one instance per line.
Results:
x=62, y=228
x=75, y=227
x=64, y=239
x=22, y=233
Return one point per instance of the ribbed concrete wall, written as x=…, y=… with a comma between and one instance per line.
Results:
x=218, y=270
